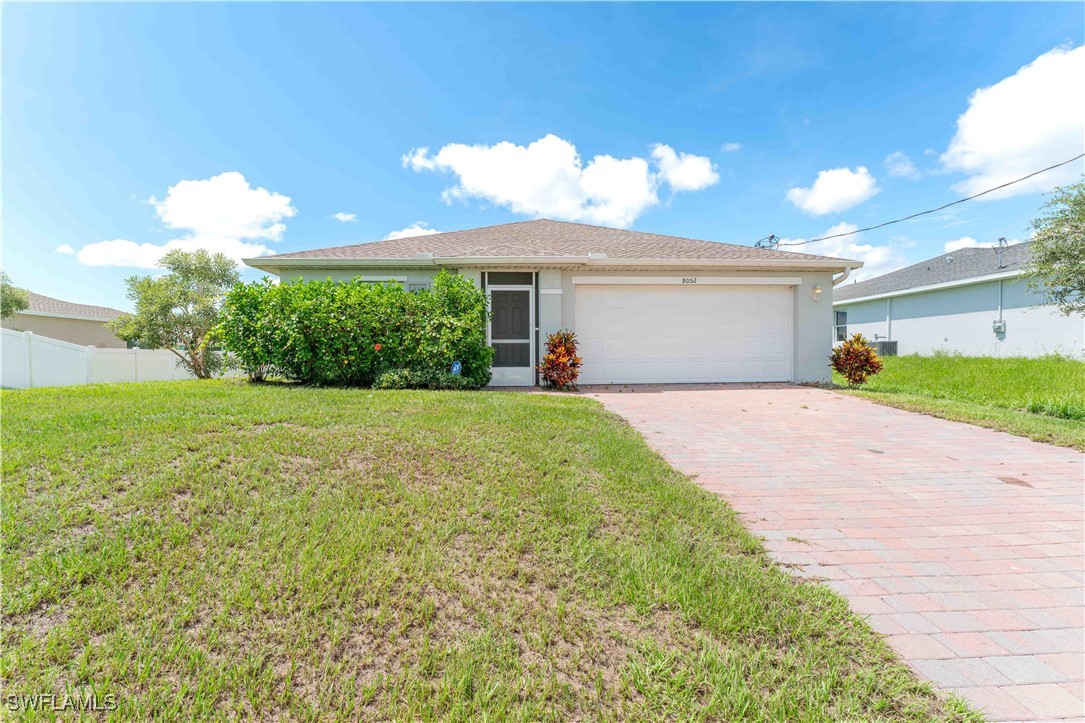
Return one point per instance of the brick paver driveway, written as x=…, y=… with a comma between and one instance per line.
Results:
x=963, y=545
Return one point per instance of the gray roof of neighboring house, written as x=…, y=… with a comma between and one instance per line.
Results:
x=966, y=264
x=542, y=238
x=57, y=307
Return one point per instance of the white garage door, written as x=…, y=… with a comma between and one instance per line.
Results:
x=661, y=334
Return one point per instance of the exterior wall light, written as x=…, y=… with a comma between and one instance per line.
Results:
x=817, y=293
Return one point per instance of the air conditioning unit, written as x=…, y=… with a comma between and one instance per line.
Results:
x=884, y=348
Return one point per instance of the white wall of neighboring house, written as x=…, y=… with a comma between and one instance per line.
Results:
x=30, y=360
x=959, y=320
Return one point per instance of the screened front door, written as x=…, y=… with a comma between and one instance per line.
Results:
x=511, y=326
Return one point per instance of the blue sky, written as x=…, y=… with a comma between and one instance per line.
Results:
x=400, y=114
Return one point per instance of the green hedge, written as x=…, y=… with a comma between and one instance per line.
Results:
x=328, y=332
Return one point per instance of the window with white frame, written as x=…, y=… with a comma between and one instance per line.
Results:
x=841, y=326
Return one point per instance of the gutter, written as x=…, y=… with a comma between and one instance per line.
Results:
x=271, y=264
x=76, y=317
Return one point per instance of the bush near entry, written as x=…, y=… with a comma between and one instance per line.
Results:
x=350, y=333
x=855, y=360
x=561, y=365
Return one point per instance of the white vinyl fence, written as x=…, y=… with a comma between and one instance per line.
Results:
x=30, y=360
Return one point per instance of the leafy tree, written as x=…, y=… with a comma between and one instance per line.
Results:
x=179, y=310
x=12, y=298
x=1057, y=253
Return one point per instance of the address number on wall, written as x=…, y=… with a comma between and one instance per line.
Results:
x=689, y=280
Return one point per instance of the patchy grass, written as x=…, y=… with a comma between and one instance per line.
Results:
x=1042, y=398
x=216, y=549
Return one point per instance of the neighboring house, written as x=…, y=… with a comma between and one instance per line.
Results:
x=972, y=301
x=76, y=323
x=646, y=308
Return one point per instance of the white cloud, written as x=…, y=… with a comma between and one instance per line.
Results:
x=967, y=242
x=731, y=147
x=898, y=164
x=122, y=252
x=344, y=217
x=221, y=214
x=549, y=178
x=1028, y=121
x=224, y=206
x=877, y=260
x=835, y=190
x=418, y=228
x=418, y=159
x=684, y=171
x=65, y=249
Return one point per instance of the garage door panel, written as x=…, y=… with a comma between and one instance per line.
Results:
x=645, y=334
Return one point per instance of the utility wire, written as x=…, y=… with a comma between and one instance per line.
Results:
x=771, y=237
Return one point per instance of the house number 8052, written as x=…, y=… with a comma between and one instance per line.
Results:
x=689, y=281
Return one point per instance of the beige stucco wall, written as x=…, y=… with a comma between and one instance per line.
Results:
x=811, y=345
x=77, y=331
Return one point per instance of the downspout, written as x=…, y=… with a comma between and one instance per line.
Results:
x=840, y=279
x=538, y=353
x=889, y=318
x=998, y=347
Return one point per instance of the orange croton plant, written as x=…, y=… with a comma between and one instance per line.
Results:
x=561, y=366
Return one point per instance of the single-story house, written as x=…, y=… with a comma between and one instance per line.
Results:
x=82, y=324
x=973, y=301
x=646, y=308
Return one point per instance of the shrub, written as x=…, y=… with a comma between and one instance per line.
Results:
x=250, y=340
x=421, y=379
x=561, y=366
x=349, y=333
x=855, y=360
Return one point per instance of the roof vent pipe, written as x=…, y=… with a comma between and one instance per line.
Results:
x=1000, y=249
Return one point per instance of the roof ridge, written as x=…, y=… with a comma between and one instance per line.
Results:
x=646, y=233
x=402, y=238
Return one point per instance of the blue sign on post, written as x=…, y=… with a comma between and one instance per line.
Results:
x=456, y=368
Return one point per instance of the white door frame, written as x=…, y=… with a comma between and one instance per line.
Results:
x=513, y=376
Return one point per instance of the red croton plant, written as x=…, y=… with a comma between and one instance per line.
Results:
x=855, y=360
x=561, y=366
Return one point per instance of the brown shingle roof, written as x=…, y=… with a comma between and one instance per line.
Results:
x=48, y=305
x=542, y=238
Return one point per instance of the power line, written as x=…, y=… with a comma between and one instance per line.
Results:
x=773, y=243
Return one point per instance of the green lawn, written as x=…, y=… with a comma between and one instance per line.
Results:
x=1040, y=398
x=215, y=549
